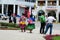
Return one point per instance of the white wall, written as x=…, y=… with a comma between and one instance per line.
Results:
x=17, y=2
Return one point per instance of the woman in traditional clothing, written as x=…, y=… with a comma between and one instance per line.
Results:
x=31, y=24
x=22, y=23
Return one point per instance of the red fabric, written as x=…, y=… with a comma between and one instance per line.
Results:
x=30, y=21
x=28, y=14
x=22, y=26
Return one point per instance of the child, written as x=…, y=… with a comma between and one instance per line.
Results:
x=22, y=24
x=31, y=24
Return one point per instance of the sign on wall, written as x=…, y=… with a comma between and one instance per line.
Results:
x=51, y=8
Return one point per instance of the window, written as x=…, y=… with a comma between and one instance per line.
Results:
x=41, y=3
x=0, y=8
x=59, y=2
x=20, y=0
x=33, y=0
x=27, y=0
x=52, y=3
x=30, y=0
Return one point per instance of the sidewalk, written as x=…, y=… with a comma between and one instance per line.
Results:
x=18, y=35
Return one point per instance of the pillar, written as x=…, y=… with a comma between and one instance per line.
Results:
x=57, y=13
x=57, y=2
x=2, y=8
x=7, y=11
x=18, y=11
x=14, y=8
x=46, y=2
x=46, y=13
x=36, y=2
x=57, y=16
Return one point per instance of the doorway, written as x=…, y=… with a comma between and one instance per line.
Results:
x=10, y=10
x=16, y=9
x=52, y=13
x=26, y=11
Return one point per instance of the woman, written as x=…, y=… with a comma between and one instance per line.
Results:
x=22, y=23
x=31, y=24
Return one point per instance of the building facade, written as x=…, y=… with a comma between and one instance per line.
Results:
x=18, y=7
x=49, y=6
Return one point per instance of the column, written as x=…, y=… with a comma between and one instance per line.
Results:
x=46, y=2
x=57, y=2
x=18, y=11
x=57, y=13
x=7, y=11
x=46, y=13
x=36, y=2
x=57, y=16
x=14, y=9
x=2, y=8
x=46, y=6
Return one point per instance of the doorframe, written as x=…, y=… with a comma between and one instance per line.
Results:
x=59, y=16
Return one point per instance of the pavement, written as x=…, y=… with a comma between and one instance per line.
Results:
x=18, y=35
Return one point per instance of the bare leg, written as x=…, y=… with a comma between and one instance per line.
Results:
x=21, y=30
x=24, y=30
x=30, y=30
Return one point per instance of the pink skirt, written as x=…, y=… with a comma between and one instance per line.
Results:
x=22, y=25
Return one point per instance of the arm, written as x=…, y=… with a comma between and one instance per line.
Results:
x=54, y=19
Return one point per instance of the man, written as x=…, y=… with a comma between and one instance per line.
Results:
x=49, y=20
x=42, y=19
x=14, y=18
x=10, y=18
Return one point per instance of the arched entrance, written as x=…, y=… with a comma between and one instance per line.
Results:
x=39, y=13
x=52, y=13
x=59, y=17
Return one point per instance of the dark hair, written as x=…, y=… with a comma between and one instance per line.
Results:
x=23, y=14
x=43, y=13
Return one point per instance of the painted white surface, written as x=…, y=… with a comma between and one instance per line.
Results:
x=17, y=2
